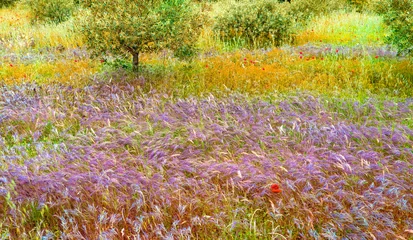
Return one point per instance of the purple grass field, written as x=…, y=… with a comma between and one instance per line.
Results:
x=107, y=162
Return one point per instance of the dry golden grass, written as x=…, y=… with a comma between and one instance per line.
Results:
x=17, y=34
x=70, y=72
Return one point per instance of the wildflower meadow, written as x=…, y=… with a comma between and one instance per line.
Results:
x=200, y=120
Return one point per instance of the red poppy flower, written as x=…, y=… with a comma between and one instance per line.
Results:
x=301, y=52
x=275, y=188
x=336, y=50
x=376, y=56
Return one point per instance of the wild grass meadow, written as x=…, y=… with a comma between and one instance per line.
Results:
x=294, y=122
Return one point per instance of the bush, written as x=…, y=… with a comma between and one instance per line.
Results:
x=84, y=3
x=130, y=27
x=399, y=18
x=55, y=11
x=7, y=3
x=259, y=24
x=360, y=5
x=379, y=6
x=301, y=11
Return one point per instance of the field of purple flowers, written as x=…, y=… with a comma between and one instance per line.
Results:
x=109, y=162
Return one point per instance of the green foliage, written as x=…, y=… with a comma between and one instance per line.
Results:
x=379, y=6
x=303, y=10
x=55, y=11
x=399, y=17
x=135, y=26
x=84, y=3
x=185, y=52
x=360, y=5
x=205, y=1
x=7, y=3
x=119, y=63
x=258, y=23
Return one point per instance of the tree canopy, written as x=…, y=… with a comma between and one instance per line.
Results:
x=136, y=26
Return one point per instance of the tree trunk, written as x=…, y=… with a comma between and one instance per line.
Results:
x=135, y=61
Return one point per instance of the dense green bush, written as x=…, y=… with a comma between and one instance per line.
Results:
x=301, y=11
x=6, y=3
x=84, y=3
x=258, y=23
x=51, y=10
x=399, y=17
x=379, y=6
x=360, y=5
x=130, y=27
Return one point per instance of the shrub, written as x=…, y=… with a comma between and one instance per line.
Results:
x=135, y=26
x=360, y=5
x=303, y=10
x=7, y=3
x=259, y=23
x=379, y=6
x=84, y=3
x=55, y=11
x=399, y=18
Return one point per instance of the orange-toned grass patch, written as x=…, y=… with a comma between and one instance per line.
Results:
x=63, y=71
x=283, y=71
x=13, y=18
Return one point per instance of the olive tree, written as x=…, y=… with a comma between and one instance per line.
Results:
x=136, y=26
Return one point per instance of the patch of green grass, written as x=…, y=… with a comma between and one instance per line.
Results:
x=345, y=28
